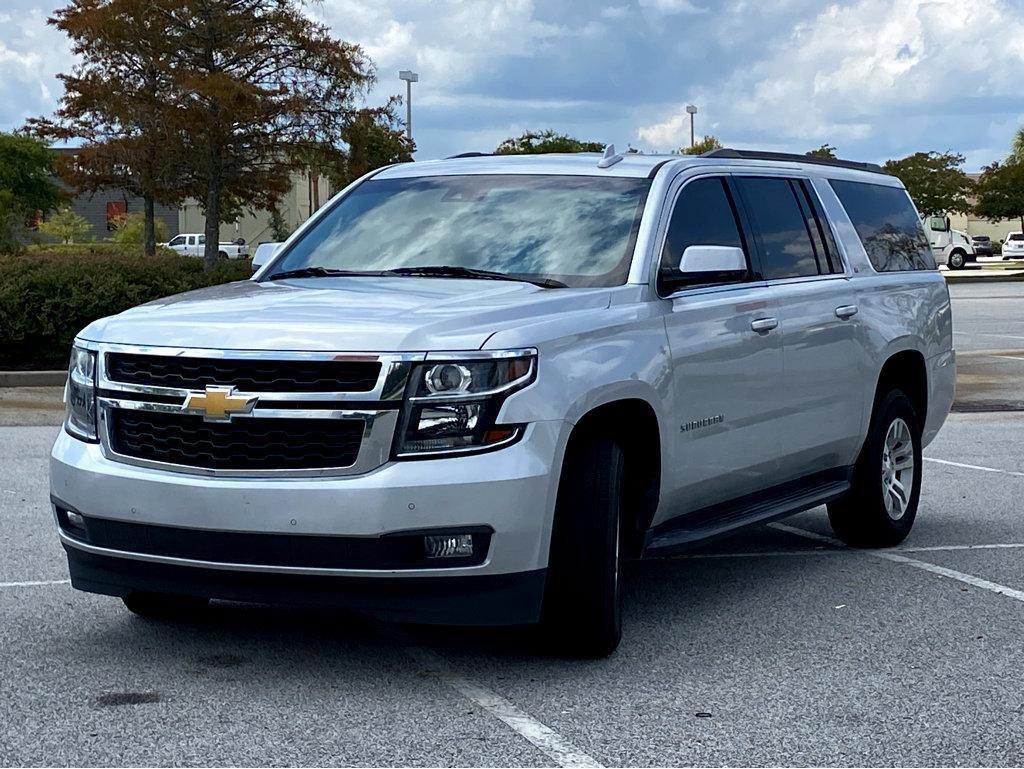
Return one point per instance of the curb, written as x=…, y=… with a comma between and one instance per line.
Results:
x=33, y=378
x=960, y=277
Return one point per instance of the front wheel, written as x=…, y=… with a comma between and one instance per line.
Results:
x=880, y=508
x=957, y=260
x=582, y=613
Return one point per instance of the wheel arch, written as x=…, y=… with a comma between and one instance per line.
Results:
x=633, y=423
x=907, y=370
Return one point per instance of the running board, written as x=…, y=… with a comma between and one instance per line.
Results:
x=701, y=525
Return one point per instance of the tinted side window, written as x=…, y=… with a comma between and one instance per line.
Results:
x=704, y=215
x=787, y=250
x=887, y=225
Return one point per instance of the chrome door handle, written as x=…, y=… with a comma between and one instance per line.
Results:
x=764, y=324
x=846, y=311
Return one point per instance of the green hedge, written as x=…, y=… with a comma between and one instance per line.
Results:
x=49, y=295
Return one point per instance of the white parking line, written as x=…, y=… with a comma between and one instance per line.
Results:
x=544, y=738
x=1016, y=473
x=968, y=579
x=38, y=583
x=834, y=551
x=1009, y=357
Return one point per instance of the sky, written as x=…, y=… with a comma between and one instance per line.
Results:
x=875, y=78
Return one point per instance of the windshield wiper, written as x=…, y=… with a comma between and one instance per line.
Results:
x=321, y=272
x=453, y=271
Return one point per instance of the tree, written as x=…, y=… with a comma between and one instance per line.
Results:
x=1017, y=148
x=223, y=96
x=373, y=138
x=66, y=226
x=538, y=142
x=935, y=181
x=702, y=145
x=1000, y=192
x=27, y=188
x=826, y=151
x=119, y=102
x=256, y=83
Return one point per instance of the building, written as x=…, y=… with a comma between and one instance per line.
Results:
x=308, y=192
x=101, y=208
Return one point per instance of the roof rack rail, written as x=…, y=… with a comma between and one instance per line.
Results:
x=470, y=155
x=727, y=152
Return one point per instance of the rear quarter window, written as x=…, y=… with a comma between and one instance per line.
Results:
x=887, y=224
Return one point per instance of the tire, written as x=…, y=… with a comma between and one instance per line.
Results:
x=165, y=605
x=223, y=256
x=869, y=515
x=957, y=260
x=582, y=612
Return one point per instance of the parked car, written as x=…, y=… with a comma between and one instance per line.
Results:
x=951, y=247
x=1013, y=246
x=982, y=245
x=467, y=390
x=194, y=244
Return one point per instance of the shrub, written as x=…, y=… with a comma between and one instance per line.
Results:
x=47, y=295
x=130, y=229
x=65, y=226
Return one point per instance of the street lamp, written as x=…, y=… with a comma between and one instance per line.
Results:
x=692, y=110
x=409, y=77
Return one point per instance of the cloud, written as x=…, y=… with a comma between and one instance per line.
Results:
x=31, y=55
x=856, y=72
x=671, y=6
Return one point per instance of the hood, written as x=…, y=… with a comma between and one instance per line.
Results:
x=349, y=314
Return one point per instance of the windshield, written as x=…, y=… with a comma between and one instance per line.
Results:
x=576, y=230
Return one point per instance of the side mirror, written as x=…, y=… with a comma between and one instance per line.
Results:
x=707, y=264
x=264, y=253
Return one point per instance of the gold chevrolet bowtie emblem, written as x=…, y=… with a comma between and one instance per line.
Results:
x=217, y=404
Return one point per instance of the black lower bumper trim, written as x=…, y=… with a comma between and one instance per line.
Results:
x=494, y=599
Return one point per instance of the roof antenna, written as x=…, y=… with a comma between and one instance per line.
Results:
x=609, y=158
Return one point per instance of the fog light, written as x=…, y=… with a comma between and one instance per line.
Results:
x=448, y=545
x=76, y=520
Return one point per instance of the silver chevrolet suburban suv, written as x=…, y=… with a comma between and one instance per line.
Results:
x=467, y=390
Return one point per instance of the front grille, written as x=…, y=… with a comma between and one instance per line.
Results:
x=387, y=552
x=245, y=375
x=242, y=444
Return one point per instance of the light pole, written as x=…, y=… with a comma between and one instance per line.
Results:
x=409, y=77
x=692, y=111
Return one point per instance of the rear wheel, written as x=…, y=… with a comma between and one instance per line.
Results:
x=165, y=605
x=222, y=255
x=582, y=614
x=957, y=260
x=881, y=506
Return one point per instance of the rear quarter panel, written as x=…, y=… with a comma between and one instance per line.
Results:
x=899, y=311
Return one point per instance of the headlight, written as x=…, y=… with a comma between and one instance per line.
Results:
x=81, y=395
x=451, y=405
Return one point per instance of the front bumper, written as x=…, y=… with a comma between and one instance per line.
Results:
x=496, y=599
x=510, y=492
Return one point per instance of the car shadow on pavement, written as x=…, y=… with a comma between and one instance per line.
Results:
x=669, y=596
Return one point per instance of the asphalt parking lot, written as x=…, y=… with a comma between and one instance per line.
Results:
x=777, y=646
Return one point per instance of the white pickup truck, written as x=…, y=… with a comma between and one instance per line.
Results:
x=194, y=244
